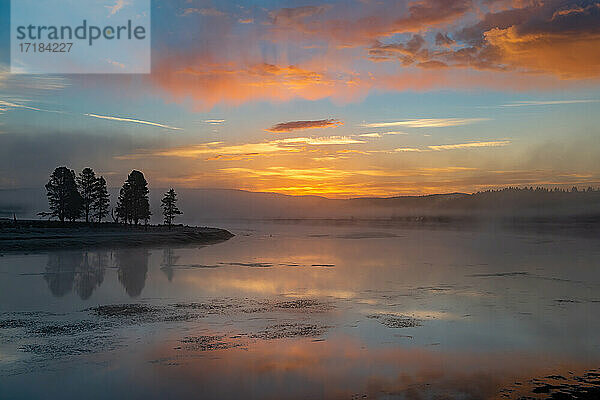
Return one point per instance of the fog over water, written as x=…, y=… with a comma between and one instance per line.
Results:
x=202, y=206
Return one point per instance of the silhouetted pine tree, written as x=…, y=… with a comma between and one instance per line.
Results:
x=124, y=203
x=86, y=182
x=101, y=200
x=169, y=207
x=133, y=205
x=63, y=198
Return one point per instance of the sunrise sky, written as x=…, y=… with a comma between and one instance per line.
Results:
x=335, y=98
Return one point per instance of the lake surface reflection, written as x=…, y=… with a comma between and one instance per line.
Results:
x=305, y=311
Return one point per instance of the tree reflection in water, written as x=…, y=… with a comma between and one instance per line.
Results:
x=90, y=274
x=169, y=261
x=83, y=271
x=132, y=267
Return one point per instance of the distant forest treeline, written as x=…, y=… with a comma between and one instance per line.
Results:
x=510, y=200
x=538, y=197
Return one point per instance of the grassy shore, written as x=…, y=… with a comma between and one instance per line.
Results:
x=32, y=235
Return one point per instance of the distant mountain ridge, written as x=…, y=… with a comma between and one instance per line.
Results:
x=204, y=204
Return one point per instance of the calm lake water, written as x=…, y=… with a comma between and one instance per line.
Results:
x=304, y=311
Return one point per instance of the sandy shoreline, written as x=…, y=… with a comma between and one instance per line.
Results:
x=50, y=235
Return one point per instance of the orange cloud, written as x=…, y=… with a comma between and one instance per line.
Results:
x=235, y=82
x=220, y=150
x=558, y=38
x=299, y=125
x=565, y=55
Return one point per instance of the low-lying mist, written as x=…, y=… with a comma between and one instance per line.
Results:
x=203, y=205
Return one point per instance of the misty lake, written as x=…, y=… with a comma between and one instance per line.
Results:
x=306, y=311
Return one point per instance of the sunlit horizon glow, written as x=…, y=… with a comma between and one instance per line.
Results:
x=336, y=99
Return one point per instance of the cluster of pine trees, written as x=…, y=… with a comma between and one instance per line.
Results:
x=72, y=197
